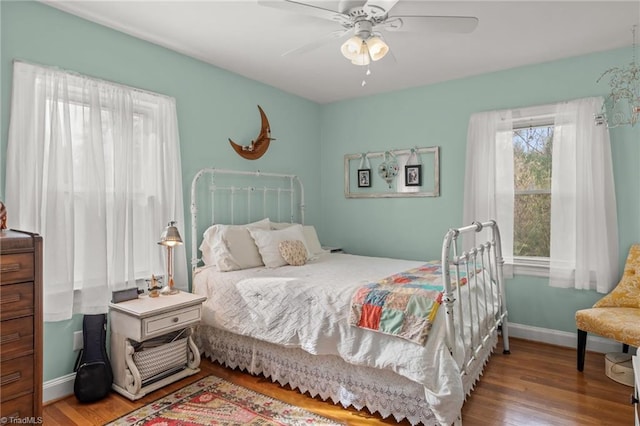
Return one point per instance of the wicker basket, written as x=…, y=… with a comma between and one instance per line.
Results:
x=153, y=361
x=617, y=367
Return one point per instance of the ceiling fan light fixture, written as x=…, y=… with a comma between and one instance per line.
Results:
x=351, y=48
x=356, y=50
x=363, y=57
x=377, y=48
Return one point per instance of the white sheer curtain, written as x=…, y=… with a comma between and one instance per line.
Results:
x=94, y=167
x=489, y=184
x=584, y=226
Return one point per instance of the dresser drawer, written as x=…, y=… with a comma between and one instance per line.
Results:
x=16, y=338
x=16, y=377
x=17, y=408
x=164, y=323
x=15, y=268
x=16, y=300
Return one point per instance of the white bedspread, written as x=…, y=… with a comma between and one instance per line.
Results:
x=308, y=306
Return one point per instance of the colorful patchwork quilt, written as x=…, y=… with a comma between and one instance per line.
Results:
x=403, y=305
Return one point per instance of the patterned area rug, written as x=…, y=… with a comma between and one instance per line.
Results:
x=215, y=401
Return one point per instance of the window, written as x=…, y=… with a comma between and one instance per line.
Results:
x=532, y=149
x=141, y=197
x=94, y=167
x=545, y=174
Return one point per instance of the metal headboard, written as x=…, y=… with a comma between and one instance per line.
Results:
x=281, y=195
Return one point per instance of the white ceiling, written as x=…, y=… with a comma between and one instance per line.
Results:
x=248, y=39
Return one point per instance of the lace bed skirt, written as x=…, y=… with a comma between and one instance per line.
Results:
x=328, y=376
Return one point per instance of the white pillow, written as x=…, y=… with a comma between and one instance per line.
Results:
x=312, y=241
x=310, y=236
x=237, y=249
x=231, y=247
x=268, y=241
x=281, y=225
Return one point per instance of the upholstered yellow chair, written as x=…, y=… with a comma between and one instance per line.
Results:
x=617, y=315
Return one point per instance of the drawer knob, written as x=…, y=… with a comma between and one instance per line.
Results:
x=10, y=378
x=8, y=338
x=10, y=267
x=176, y=319
x=10, y=298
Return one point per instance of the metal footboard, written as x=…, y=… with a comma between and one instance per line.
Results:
x=486, y=305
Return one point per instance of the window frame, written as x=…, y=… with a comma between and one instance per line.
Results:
x=534, y=266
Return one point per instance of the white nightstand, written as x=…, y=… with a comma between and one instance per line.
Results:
x=147, y=322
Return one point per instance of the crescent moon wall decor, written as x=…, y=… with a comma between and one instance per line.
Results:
x=259, y=146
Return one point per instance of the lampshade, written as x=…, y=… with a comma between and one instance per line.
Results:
x=351, y=48
x=362, y=51
x=377, y=48
x=170, y=236
x=363, y=56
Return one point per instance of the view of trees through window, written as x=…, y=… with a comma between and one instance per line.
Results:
x=532, y=205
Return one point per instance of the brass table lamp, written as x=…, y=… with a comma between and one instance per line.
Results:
x=170, y=238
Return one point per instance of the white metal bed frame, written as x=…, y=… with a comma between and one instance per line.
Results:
x=278, y=363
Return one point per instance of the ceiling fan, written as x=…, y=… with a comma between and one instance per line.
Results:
x=364, y=21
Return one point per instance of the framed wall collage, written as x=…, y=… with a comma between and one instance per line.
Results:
x=413, y=172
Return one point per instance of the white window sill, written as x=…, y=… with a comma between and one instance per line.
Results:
x=531, y=266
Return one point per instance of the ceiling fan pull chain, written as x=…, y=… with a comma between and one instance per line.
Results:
x=367, y=73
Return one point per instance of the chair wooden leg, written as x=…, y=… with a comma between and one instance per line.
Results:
x=581, y=349
x=625, y=348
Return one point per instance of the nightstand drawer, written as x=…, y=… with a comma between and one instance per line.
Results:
x=16, y=338
x=170, y=321
x=16, y=377
x=15, y=268
x=16, y=300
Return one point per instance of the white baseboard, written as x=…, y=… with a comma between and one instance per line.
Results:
x=63, y=386
x=58, y=388
x=563, y=338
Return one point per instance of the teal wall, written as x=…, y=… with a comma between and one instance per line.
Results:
x=438, y=115
x=214, y=104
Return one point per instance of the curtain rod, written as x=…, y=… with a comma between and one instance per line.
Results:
x=539, y=111
x=96, y=79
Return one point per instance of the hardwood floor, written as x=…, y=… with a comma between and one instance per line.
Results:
x=537, y=384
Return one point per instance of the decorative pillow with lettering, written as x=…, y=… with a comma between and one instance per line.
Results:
x=293, y=252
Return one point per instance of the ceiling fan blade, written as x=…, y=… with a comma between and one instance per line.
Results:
x=386, y=5
x=431, y=24
x=307, y=9
x=319, y=42
x=345, y=5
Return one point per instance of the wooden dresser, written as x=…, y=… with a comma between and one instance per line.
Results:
x=20, y=327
